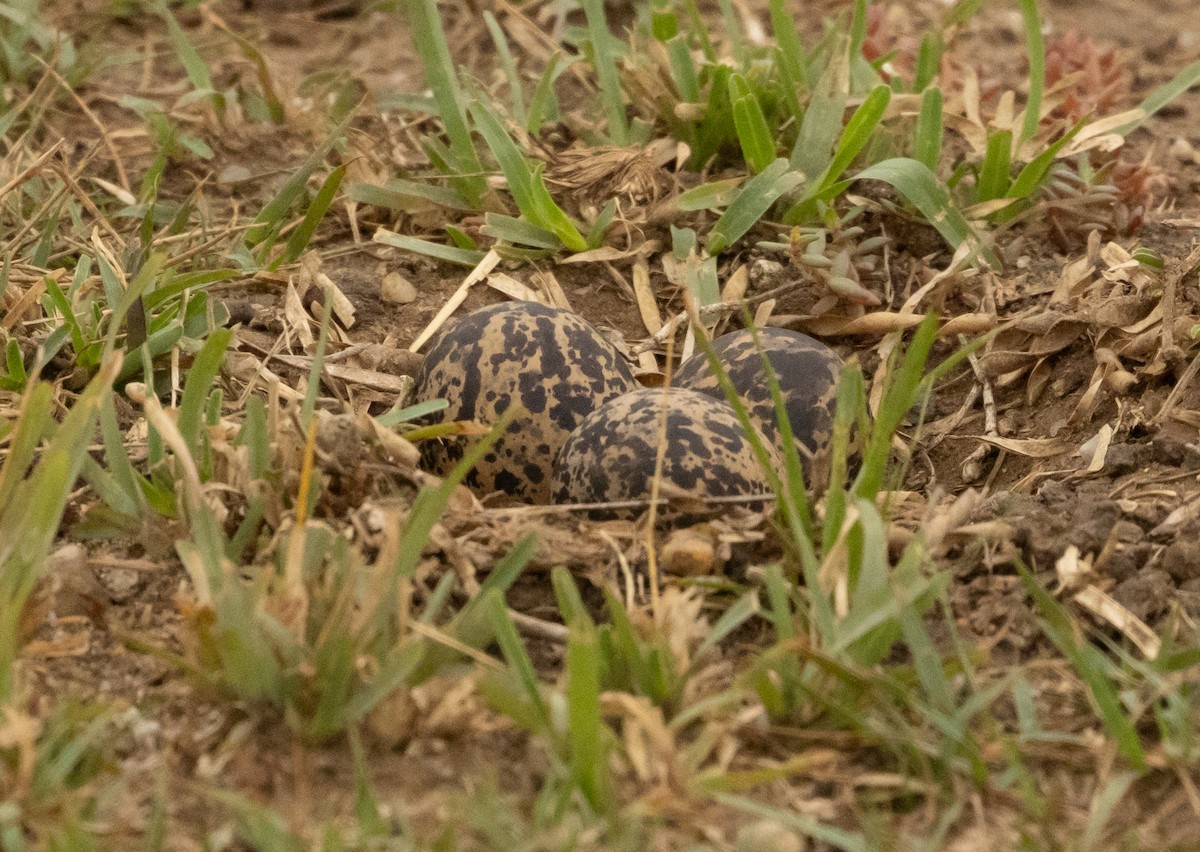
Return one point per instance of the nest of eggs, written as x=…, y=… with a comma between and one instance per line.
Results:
x=582, y=429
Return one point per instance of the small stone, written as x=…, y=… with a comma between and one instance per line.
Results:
x=1146, y=594
x=1123, y=459
x=121, y=583
x=397, y=288
x=689, y=552
x=1182, y=559
x=394, y=719
x=1182, y=150
x=764, y=270
x=234, y=174
x=1168, y=450
x=77, y=590
x=1189, y=597
x=766, y=836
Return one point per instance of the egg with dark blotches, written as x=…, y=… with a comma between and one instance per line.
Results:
x=550, y=365
x=808, y=373
x=611, y=457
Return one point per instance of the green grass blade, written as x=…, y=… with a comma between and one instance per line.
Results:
x=517, y=171
x=712, y=195
x=929, y=60
x=683, y=69
x=300, y=236
x=1031, y=178
x=570, y=603
x=607, y=77
x=803, y=823
x=405, y=195
x=588, y=743
x=23, y=440
x=543, y=104
x=198, y=387
x=269, y=218
x=550, y=216
x=901, y=395
x=1035, y=54
x=1092, y=666
x=927, y=137
x=515, y=654
x=519, y=232
x=858, y=132
x=790, y=55
x=429, y=39
x=994, y=173
x=197, y=71
x=751, y=204
x=1163, y=95
x=920, y=187
x=451, y=254
x=758, y=145
x=822, y=122
x=508, y=65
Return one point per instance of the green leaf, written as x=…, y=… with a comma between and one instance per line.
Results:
x=993, y=175
x=1092, y=666
x=1035, y=55
x=708, y=196
x=405, y=195
x=518, y=232
x=920, y=187
x=451, y=254
x=298, y=239
x=607, y=77
x=751, y=204
x=758, y=145
x=429, y=39
x=1163, y=95
x=927, y=137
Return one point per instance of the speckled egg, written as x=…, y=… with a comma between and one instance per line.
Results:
x=550, y=364
x=808, y=373
x=611, y=456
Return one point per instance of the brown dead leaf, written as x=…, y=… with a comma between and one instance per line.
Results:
x=1036, y=448
x=646, y=301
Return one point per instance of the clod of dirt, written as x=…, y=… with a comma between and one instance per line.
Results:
x=1168, y=449
x=1182, y=557
x=1082, y=516
x=1123, y=459
x=1128, y=553
x=997, y=606
x=1146, y=595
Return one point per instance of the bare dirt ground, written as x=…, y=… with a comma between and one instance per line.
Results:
x=1096, y=447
